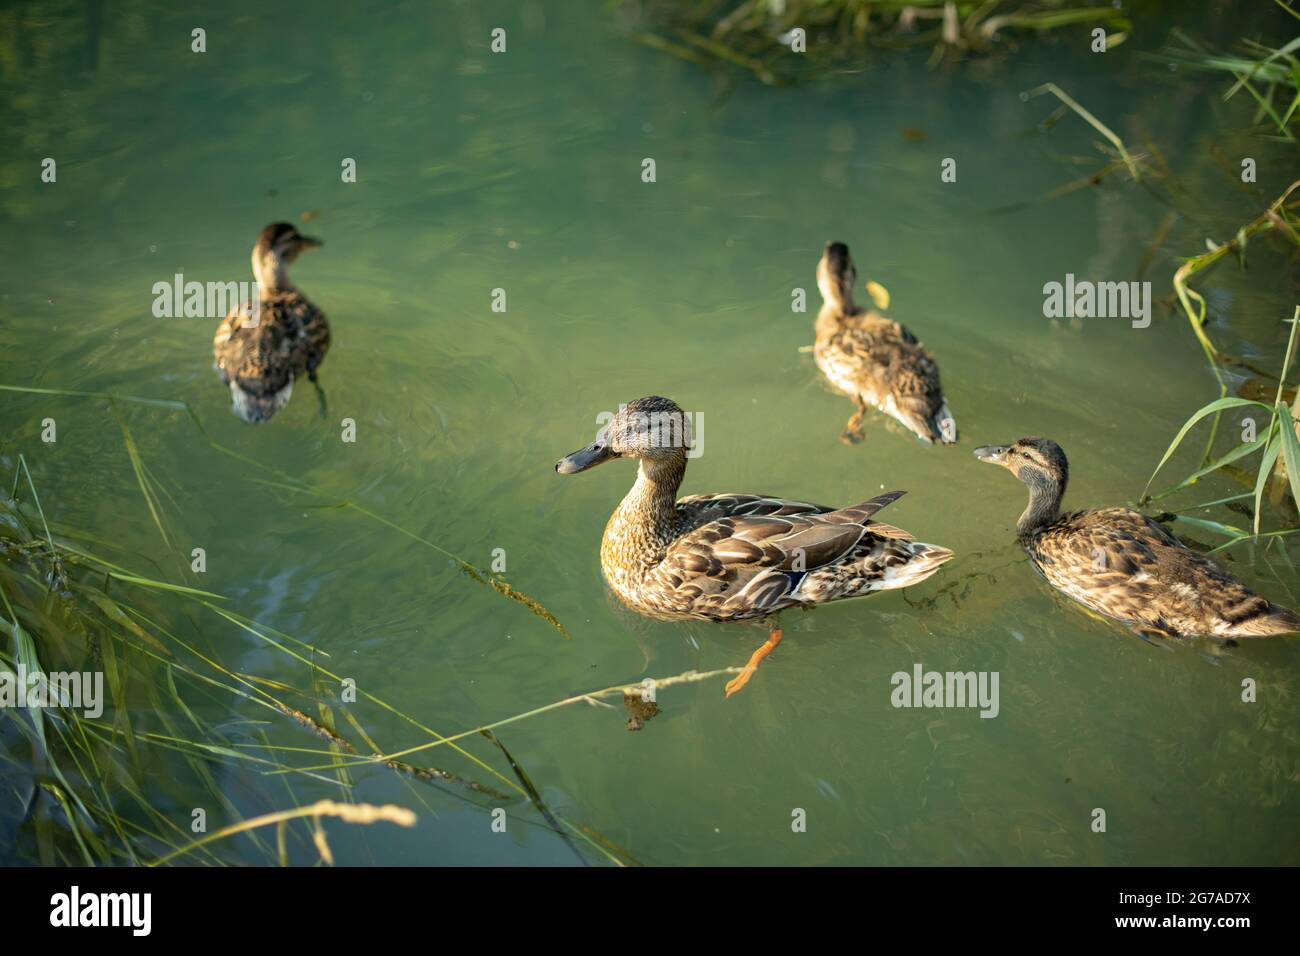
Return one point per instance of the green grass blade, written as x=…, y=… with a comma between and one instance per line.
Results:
x=142, y=479
x=1265, y=469
x=1290, y=450
x=1217, y=405
x=1241, y=451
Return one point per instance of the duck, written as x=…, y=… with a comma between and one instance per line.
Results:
x=732, y=557
x=1124, y=565
x=874, y=360
x=260, y=354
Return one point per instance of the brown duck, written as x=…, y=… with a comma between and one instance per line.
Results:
x=259, y=356
x=874, y=360
x=734, y=557
x=1125, y=565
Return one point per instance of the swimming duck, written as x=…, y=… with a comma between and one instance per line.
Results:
x=874, y=360
x=733, y=557
x=259, y=356
x=1125, y=565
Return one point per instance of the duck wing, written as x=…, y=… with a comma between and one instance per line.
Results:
x=700, y=509
x=1131, y=568
x=743, y=566
x=713, y=507
x=288, y=336
x=260, y=357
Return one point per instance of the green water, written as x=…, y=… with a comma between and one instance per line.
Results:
x=522, y=171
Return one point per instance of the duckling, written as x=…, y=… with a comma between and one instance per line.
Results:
x=259, y=356
x=732, y=557
x=1125, y=565
x=874, y=360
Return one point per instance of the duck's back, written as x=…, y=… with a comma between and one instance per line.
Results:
x=260, y=358
x=695, y=510
x=1131, y=568
x=633, y=570
x=881, y=361
x=737, y=557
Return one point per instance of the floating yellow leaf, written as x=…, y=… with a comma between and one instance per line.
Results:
x=879, y=294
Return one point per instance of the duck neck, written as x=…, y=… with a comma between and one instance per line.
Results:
x=1045, y=494
x=272, y=274
x=646, y=521
x=837, y=294
x=835, y=312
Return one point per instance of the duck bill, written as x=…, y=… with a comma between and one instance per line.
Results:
x=584, y=459
x=310, y=242
x=993, y=454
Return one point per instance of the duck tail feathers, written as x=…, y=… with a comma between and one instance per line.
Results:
x=944, y=426
x=863, y=510
x=925, y=560
x=927, y=424
x=1276, y=620
x=257, y=408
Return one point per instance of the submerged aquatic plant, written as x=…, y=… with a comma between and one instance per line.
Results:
x=73, y=789
x=73, y=783
x=1070, y=103
x=149, y=490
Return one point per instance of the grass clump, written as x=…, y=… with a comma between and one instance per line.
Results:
x=1269, y=74
x=1277, y=470
x=765, y=37
x=182, y=731
x=1278, y=440
x=179, y=730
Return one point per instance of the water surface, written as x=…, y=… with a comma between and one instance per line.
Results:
x=522, y=172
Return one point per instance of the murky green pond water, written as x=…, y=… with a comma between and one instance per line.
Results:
x=522, y=172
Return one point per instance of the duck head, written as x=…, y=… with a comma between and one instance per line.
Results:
x=836, y=276
x=1028, y=458
x=1041, y=464
x=278, y=245
x=653, y=430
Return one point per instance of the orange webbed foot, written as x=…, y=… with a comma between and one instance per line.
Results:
x=741, y=679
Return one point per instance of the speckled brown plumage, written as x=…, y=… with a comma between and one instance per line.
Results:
x=1125, y=565
x=875, y=360
x=259, y=358
x=733, y=557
